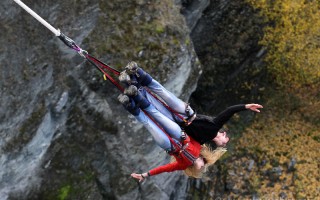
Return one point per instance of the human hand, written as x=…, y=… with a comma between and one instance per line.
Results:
x=140, y=177
x=254, y=107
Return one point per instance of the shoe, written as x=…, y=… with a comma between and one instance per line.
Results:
x=132, y=68
x=124, y=77
x=143, y=77
x=124, y=99
x=132, y=90
x=129, y=104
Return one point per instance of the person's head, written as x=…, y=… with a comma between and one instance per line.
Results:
x=207, y=157
x=199, y=163
x=221, y=139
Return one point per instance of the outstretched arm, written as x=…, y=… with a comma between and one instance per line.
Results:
x=225, y=115
x=170, y=167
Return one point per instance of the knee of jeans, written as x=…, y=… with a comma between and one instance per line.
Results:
x=175, y=132
x=164, y=143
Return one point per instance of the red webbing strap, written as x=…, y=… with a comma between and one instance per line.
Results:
x=103, y=65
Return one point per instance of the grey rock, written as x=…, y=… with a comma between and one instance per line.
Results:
x=251, y=165
x=64, y=130
x=291, y=164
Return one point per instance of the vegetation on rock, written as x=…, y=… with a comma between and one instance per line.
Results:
x=284, y=139
x=292, y=38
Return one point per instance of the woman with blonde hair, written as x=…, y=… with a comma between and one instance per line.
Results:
x=209, y=157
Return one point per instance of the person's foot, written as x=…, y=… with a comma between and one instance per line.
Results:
x=132, y=68
x=124, y=77
x=123, y=99
x=129, y=104
x=132, y=90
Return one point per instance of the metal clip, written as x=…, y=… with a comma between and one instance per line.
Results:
x=82, y=52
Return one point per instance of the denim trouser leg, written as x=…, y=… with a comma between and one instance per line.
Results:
x=170, y=127
x=158, y=135
x=161, y=108
x=170, y=99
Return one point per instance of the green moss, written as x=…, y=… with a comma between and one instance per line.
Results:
x=316, y=138
x=64, y=192
x=255, y=183
x=159, y=28
x=187, y=41
x=287, y=40
x=176, y=41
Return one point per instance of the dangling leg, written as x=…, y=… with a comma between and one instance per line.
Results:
x=172, y=128
x=157, y=104
x=136, y=76
x=159, y=136
x=146, y=80
x=169, y=98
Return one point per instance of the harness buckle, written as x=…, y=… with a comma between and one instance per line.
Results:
x=191, y=117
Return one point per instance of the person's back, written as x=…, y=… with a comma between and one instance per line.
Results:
x=202, y=129
x=205, y=129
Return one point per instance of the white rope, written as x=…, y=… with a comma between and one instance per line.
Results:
x=41, y=20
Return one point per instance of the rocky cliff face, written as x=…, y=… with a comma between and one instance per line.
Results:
x=64, y=135
x=230, y=55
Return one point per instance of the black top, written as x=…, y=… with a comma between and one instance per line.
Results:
x=204, y=128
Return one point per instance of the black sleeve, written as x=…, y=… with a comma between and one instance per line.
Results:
x=225, y=115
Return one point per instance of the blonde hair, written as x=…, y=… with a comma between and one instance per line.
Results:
x=211, y=156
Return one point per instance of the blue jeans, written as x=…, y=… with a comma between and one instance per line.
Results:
x=170, y=99
x=160, y=136
x=162, y=115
